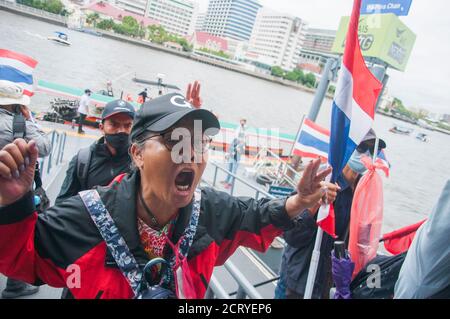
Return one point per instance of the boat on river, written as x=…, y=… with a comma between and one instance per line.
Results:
x=400, y=130
x=422, y=137
x=60, y=38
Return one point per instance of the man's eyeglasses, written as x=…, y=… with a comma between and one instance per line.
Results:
x=200, y=145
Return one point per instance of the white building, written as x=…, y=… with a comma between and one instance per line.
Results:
x=278, y=37
x=200, y=22
x=175, y=16
x=231, y=18
x=135, y=6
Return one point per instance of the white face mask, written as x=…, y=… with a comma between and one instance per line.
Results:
x=355, y=162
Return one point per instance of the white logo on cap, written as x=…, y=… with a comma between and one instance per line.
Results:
x=182, y=103
x=121, y=109
x=121, y=103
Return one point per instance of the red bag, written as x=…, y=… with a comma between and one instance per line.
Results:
x=366, y=216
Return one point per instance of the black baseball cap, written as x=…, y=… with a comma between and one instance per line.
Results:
x=116, y=107
x=368, y=143
x=161, y=113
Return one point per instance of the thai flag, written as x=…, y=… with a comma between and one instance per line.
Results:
x=17, y=68
x=313, y=141
x=353, y=111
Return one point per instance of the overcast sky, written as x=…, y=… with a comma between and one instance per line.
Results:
x=426, y=81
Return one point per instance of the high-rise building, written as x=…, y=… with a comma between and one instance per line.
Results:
x=278, y=37
x=134, y=6
x=175, y=16
x=319, y=40
x=316, y=49
x=200, y=21
x=231, y=18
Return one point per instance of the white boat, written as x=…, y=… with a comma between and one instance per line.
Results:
x=422, y=137
x=60, y=38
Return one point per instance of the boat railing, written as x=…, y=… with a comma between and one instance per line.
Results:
x=56, y=156
x=257, y=190
x=283, y=169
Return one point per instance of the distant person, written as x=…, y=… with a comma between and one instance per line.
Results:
x=299, y=245
x=425, y=273
x=160, y=92
x=237, y=148
x=142, y=97
x=83, y=109
x=109, y=88
x=16, y=122
x=108, y=157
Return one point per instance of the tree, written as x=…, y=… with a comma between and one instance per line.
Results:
x=310, y=80
x=277, y=71
x=92, y=18
x=331, y=89
x=106, y=24
x=296, y=75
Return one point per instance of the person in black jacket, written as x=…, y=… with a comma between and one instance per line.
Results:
x=150, y=208
x=300, y=244
x=106, y=158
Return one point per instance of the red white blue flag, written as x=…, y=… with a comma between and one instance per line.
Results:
x=17, y=68
x=313, y=141
x=353, y=112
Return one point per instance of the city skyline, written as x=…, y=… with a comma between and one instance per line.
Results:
x=424, y=83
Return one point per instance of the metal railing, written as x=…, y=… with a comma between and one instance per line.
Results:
x=245, y=288
x=56, y=156
x=258, y=191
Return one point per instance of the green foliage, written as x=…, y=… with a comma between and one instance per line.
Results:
x=296, y=75
x=278, y=72
x=217, y=53
x=157, y=34
x=53, y=6
x=332, y=89
x=106, y=24
x=92, y=19
x=310, y=80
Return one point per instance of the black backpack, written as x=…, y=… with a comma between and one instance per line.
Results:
x=20, y=131
x=83, y=163
x=389, y=271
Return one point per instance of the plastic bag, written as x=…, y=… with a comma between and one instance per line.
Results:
x=366, y=216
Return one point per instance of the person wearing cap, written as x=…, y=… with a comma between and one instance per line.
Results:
x=108, y=157
x=14, y=103
x=83, y=109
x=154, y=209
x=300, y=244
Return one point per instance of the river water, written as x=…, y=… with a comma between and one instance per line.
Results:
x=419, y=170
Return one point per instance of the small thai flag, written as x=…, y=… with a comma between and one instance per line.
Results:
x=313, y=141
x=17, y=68
x=353, y=111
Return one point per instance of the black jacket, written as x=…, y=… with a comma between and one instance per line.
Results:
x=300, y=244
x=103, y=167
x=65, y=235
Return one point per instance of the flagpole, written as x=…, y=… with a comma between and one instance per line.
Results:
x=375, y=150
x=315, y=257
x=297, y=136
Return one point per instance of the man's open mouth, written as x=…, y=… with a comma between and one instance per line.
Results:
x=184, y=180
